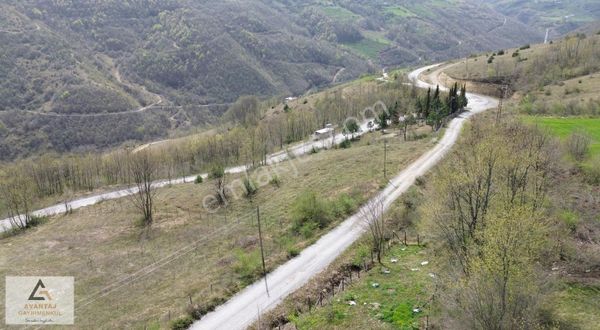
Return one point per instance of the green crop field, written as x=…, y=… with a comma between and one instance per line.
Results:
x=563, y=127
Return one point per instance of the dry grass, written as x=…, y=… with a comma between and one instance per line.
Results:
x=124, y=280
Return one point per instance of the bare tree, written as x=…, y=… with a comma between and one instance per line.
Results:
x=372, y=215
x=17, y=195
x=143, y=170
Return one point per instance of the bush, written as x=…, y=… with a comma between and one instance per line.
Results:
x=248, y=266
x=344, y=205
x=199, y=179
x=217, y=171
x=250, y=187
x=525, y=47
x=182, y=323
x=592, y=171
x=312, y=210
x=501, y=52
x=515, y=54
x=578, y=145
x=275, y=181
x=345, y=144
x=570, y=219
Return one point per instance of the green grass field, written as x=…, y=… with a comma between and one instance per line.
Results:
x=578, y=305
x=563, y=127
x=383, y=301
x=368, y=47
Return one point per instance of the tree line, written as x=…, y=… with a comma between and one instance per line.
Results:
x=435, y=108
x=247, y=137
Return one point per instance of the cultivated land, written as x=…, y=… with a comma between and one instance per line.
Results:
x=564, y=127
x=193, y=255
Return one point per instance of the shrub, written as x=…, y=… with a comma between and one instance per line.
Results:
x=292, y=252
x=570, y=219
x=491, y=60
x=344, y=205
x=249, y=187
x=501, y=52
x=525, y=47
x=314, y=150
x=310, y=209
x=578, y=145
x=275, y=181
x=199, y=179
x=592, y=171
x=182, y=323
x=345, y=144
x=217, y=171
x=248, y=266
x=515, y=54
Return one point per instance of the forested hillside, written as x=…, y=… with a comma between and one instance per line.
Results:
x=72, y=60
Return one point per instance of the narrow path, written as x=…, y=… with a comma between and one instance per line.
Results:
x=242, y=310
x=335, y=77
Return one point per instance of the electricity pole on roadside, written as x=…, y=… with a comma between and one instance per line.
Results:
x=262, y=251
x=385, y=158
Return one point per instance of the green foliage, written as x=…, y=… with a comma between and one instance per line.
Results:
x=345, y=144
x=525, y=47
x=247, y=266
x=217, y=171
x=310, y=212
x=344, y=205
x=199, y=179
x=182, y=323
x=570, y=219
x=275, y=181
x=249, y=187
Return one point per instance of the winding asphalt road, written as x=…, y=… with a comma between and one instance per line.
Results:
x=243, y=309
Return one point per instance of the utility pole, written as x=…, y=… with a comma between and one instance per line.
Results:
x=262, y=251
x=385, y=159
x=501, y=102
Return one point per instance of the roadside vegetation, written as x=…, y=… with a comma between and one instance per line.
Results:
x=250, y=131
x=507, y=234
x=190, y=259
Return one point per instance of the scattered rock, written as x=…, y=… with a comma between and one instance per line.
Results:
x=385, y=271
x=414, y=269
x=375, y=285
x=425, y=263
x=352, y=303
x=394, y=260
x=417, y=310
x=432, y=275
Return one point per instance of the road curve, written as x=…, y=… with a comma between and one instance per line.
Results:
x=243, y=309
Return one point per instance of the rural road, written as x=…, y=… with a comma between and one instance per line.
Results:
x=296, y=151
x=243, y=309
